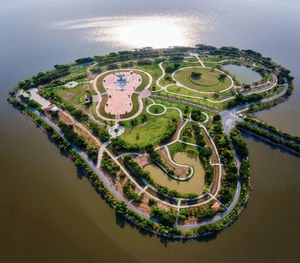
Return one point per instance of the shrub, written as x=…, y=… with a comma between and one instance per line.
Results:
x=196, y=75
x=196, y=115
x=165, y=217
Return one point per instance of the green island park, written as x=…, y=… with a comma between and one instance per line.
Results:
x=158, y=131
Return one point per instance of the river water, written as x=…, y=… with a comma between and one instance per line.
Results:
x=50, y=214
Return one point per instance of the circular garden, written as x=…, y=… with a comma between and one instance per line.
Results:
x=156, y=109
x=203, y=79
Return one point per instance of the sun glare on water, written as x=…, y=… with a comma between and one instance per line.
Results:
x=151, y=32
x=143, y=31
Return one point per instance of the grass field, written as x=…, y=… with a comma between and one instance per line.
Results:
x=75, y=96
x=186, y=110
x=187, y=134
x=208, y=82
x=149, y=132
x=181, y=147
x=218, y=106
x=156, y=109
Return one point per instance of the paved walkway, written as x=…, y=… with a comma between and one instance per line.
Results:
x=267, y=86
x=33, y=94
x=139, y=98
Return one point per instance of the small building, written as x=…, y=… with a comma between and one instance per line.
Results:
x=215, y=206
x=87, y=98
x=48, y=108
x=54, y=109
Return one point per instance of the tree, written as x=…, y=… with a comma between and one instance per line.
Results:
x=167, y=218
x=112, y=66
x=196, y=75
x=92, y=153
x=216, y=95
x=247, y=87
x=205, y=152
x=217, y=117
x=222, y=77
x=196, y=115
x=120, y=208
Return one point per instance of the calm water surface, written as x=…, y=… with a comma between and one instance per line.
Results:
x=244, y=74
x=50, y=214
x=194, y=185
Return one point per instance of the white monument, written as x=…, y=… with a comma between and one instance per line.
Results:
x=121, y=80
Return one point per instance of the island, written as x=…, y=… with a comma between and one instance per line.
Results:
x=157, y=132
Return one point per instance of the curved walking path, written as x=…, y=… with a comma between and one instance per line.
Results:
x=106, y=181
x=178, y=206
x=197, y=91
x=212, y=197
x=200, y=106
x=226, y=115
x=270, y=85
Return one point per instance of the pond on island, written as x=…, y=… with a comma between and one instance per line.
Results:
x=194, y=185
x=244, y=74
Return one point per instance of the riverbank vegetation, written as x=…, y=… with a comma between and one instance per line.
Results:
x=269, y=136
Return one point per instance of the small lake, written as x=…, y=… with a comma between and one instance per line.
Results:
x=244, y=74
x=194, y=184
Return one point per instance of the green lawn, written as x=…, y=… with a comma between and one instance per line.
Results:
x=193, y=59
x=186, y=134
x=156, y=109
x=181, y=147
x=145, y=116
x=186, y=110
x=218, y=106
x=209, y=80
x=150, y=132
x=74, y=96
x=183, y=91
x=154, y=70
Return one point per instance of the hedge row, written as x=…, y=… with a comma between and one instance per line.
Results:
x=273, y=129
x=273, y=138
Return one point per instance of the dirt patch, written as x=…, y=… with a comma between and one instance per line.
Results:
x=178, y=170
x=214, y=157
x=78, y=128
x=189, y=221
x=215, y=182
x=143, y=160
